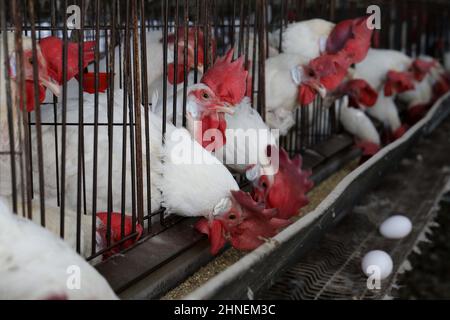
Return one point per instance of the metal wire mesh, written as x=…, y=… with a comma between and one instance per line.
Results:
x=118, y=147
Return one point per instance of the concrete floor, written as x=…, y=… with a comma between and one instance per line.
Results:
x=332, y=270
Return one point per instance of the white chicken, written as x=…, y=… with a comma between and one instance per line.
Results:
x=357, y=123
x=387, y=71
x=307, y=37
x=247, y=138
x=36, y=264
x=281, y=88
x=101, y=178
x=8, y=66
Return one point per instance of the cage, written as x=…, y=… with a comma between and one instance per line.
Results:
x=81, y=162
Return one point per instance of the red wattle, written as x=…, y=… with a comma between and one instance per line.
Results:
x=306, y=95
x=89, y=82
x=216, y=237
x=29, y=90
x=213, y=140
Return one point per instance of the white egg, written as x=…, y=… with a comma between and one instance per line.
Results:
x=377, y=263
x=396, y=227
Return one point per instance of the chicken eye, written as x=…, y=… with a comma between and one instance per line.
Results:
x=205, y=95
x=232, y=216
x=30, y=60
x=264, y=185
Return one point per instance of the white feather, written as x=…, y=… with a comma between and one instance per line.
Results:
x=356, y=122
x=35, y=264
x=281, y=90
x=194, y=180
x=247, y=137
x=385, y=111
x=378, y=62
x=306, y=37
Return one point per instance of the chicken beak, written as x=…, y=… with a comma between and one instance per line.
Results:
x=225, y=108
x=321, y=90
x=52, y=86
x=200, y=68
x=318, y=87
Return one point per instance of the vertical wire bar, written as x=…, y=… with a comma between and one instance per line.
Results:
x=165, y=32
x=80, y=165
x=30, y=151
x=95, y=142
x=110, y=92
x=298, y=139
x=253, y=71
x=137, y=109
x=262, y=59
x=303, y=118
x=165, y=14
x=16, y=12
x=126, y=96
x=9, y=106
x=37, y=111
x=64, y=128
x=247, y=26
x=20, y=121
x=233, y=26
x=207, y=45
x=175, y=67
x=185, y=53
x=55, y=112
x=127, y=106
x=241, y=28
x=146, y=107
x=196, y=26
x=332, y=10
x=280, y=40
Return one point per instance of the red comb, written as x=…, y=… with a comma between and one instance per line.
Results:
x=359, y=92
x=351, y=37
x=227, y=78
x=191, y=35
x=260, y=223
x=89, y=82
x=291, y=183
x=398, y=82
x=52, y=49
x=329, y=70
x=421, y=67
